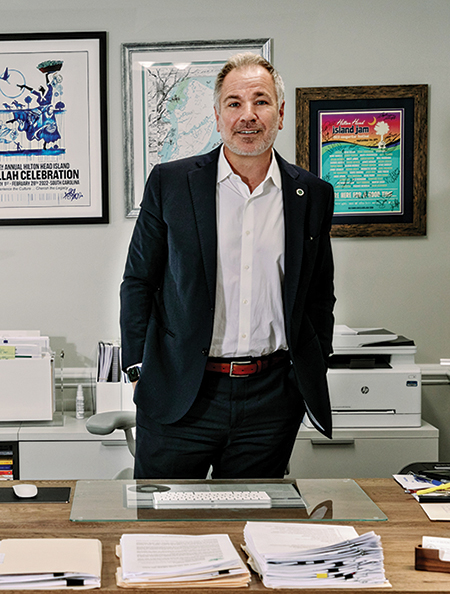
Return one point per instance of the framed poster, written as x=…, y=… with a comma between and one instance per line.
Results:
x=370, y=143
x=168, y=103
x=53, y=135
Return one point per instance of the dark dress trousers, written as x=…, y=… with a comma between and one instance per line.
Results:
x=168, y=289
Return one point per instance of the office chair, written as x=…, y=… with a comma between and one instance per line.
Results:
x=107, y=422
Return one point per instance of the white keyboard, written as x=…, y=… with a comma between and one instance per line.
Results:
x=211, y=499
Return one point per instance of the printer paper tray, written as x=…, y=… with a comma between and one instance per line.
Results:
x=371, y=419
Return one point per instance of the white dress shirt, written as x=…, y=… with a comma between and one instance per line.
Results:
x=250, y=265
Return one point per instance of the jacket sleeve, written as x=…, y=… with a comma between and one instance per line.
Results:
x=147, y=255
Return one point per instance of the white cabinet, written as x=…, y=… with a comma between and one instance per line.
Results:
x=69, y=451
x=362, y=452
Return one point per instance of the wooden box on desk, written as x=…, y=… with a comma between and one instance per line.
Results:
x=428, y=560
x=27, y=389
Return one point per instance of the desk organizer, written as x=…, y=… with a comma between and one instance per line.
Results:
x=428, y=560
x=27, y=389
x=112, y=396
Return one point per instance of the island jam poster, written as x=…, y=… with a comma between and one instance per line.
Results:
x=50, y=165
x=361, y=155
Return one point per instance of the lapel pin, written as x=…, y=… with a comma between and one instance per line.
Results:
x=300, y=192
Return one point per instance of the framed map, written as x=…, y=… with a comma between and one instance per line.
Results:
x=168, y=103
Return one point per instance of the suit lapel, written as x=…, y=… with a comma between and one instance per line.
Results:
x=295, y=196
x=202, y=186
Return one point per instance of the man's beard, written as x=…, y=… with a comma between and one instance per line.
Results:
x=255, y=148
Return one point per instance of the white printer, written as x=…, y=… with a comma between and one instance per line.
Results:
x=373, y=379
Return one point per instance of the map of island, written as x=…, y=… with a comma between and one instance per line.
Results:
x=178, y=111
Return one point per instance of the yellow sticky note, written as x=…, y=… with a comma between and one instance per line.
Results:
x=7, y=351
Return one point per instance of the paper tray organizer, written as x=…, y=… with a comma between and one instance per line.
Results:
x=428, y=560
x=32, y=397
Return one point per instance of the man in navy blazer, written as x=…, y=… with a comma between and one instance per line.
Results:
x=227, y=297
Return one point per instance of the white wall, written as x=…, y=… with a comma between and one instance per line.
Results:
x=64, y=280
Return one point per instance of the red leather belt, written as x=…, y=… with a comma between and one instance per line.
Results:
x=245, y=368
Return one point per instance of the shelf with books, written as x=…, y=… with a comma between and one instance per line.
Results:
x=9, y=461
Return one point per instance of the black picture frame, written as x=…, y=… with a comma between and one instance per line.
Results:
x=411, y=101
x=53, y=133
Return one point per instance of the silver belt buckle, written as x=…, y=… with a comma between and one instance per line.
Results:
x=233, y=363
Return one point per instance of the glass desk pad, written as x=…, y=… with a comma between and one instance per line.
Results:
x=130, y=500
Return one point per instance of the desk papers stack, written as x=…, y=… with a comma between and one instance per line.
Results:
x=50, y=563
x=314, y=556
x=171, y=560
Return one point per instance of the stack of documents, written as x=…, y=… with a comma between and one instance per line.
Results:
x=316, y=556
x=50, y=563
x=23, y=344
x=170, y=560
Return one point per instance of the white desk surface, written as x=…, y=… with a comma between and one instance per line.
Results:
x=72, y=429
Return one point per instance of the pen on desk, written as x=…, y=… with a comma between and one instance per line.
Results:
x=420, y=479
x=423, y=478
x=442, y=487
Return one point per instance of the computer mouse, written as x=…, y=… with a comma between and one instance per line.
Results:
x=25, y=490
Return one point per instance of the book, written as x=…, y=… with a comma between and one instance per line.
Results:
x=109, y=357
x=179, y=560
x=437, y=511
x=288, y=555
x=50, y=563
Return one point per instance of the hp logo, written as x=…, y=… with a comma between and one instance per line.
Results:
x=365, y=389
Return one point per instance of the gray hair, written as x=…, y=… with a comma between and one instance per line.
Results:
x=242, y=61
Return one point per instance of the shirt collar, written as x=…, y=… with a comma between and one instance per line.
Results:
x=224, y=169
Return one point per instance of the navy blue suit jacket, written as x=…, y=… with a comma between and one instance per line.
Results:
x=168, y=289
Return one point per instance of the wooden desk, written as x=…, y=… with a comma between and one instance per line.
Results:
x=400, y=534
